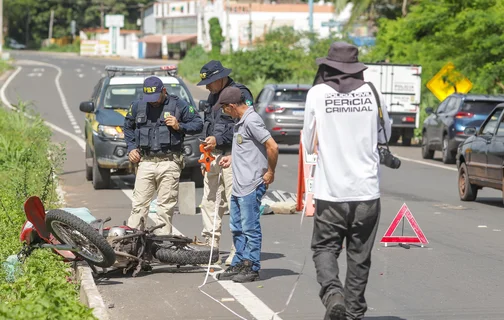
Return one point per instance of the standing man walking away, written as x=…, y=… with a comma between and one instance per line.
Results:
x=342, y=114
x=218, y=130
x=254, y=159
x=154, y=129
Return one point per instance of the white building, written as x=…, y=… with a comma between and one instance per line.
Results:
x=185, y=22
x=252, y=20
x=97, y=42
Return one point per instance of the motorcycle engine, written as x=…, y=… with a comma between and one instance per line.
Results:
x=127, y=245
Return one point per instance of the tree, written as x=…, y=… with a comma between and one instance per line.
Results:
x=216, y=37
x=468, y=33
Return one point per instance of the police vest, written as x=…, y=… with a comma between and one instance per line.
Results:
x=156, y=136
x=219, y=116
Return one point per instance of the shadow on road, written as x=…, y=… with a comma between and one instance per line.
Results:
x=383, y=318
x=266, y=274
x=288, y=149
x=496, y=202
x=70, y=172
x=270, y=256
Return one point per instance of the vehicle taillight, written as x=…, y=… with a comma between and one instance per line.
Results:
x=274, y=109
x=462, y=114
x=408, y=119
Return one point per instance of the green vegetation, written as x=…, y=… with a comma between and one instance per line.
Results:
x=27, y=21
x=41, y=287
x=73, y=47
x=280, y=57
x=468, y=33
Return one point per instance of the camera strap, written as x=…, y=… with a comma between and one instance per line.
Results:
x=380, y=112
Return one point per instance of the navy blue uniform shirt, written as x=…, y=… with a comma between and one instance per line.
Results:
x=190, y=121
x=219, y=124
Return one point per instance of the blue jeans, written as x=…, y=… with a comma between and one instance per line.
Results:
x=244, y=214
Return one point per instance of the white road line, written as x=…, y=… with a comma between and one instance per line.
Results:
x=6, y=102
x=427, y=163
x=245, y=297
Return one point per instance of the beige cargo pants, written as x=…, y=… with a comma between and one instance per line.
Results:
x=211, y=188
x=161, y=175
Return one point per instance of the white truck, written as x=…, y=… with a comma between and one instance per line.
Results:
x=400, y=86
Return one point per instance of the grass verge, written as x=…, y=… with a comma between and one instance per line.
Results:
x=41, y=287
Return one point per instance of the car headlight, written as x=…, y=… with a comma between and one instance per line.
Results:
x=111, y=132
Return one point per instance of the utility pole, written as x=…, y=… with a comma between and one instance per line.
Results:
x=102, y=13
x=1, y=26
x=51, y=24
x=228, y=24
x=310, y=17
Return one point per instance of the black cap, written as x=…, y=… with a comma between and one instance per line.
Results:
x=212, y=71
x=229, y=95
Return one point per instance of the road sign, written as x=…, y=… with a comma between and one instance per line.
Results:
x=331, y=23
x=404, y=212
x=448, y=81
x=72, y=27
x=114, y=20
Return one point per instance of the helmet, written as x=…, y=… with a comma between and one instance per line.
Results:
x=116, y=232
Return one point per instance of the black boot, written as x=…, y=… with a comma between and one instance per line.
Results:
x=246, y=274
x=230, y=272
x=335, y=308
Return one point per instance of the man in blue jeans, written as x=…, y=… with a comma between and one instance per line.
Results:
x=254, y=157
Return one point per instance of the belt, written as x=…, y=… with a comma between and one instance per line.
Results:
x=161, y=157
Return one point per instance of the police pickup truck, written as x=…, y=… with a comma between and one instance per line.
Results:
x=105, y=111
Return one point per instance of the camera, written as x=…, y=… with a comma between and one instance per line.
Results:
x=388, y=159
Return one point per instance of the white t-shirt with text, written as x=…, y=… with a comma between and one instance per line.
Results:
x=348, y=131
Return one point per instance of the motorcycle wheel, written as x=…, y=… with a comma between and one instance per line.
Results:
x=189, y=254
x=71, y=230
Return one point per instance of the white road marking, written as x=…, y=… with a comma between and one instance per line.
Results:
x=81, y=75
x=35, y=74
x=6, y=102
x=497, y=230
x=482, y=227
x=94, y=68
x=78, y=70
x=245, y=297
x=427, y=163
x=38, y=70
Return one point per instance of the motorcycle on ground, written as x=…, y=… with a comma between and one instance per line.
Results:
x=108, y=248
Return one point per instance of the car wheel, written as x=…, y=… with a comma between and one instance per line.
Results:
x=467, y=190
x=101, y=177
x=197, y=177
x=427, y=153
x=89, y=170
x=448, y=156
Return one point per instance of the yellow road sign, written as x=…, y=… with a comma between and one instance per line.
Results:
x=448, y=81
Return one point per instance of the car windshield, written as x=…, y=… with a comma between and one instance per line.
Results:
x=121, y=96
x=479, y=107
x=489, y=127
x=290, y=95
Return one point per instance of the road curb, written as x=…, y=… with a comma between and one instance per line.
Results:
x=89, y=294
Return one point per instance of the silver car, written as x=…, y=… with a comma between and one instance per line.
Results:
x=282, y=108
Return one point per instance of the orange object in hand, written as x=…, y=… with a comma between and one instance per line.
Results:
x=207, y=157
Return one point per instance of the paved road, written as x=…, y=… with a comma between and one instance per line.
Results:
x=457, y=276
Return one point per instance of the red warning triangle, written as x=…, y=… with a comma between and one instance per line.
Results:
x=404, y=211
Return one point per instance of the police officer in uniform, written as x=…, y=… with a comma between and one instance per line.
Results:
x=154, y=129
x=342, y=120
x=218, y=130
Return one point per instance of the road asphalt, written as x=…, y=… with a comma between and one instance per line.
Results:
x=458, y=275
